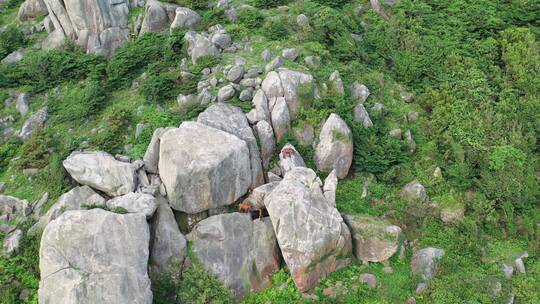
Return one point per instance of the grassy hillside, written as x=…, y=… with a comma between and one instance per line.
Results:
x=473, y=67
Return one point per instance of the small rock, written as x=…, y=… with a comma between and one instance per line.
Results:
x=410, y=141
x=134, y=203
x=396, y=133
x=291, y=53
x=411, y=300
x=185, y=18
x=414, y=191
x=235, y=74
x=266, y=55
x=33, y=124
x=377, y=107
x=361, y=115
x=388, y=269
x=312, y=62
x=508, y=270
x=274, y=64
x=225, y=93
x=520, y=266
x=359, y=92
x=425, y=262
x=246, y=94
x=13, y=57
x=437, y=173
x=369, y=279
x=336, y=84
x=139, y=129
x=302, y=20
x=12, y=243
x=22, y=103
x=412, y=116
x=305, y=135
x=330, y=292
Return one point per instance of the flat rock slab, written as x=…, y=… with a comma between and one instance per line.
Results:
x=203, y=167
x=95, y=256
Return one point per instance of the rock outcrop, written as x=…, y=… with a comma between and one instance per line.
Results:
x=99, y=26
x=425, y=262
x=134, y=203
x=102, y=171
x=157, y=17
x=95, y=256
x=241, y=253
x=31, y=9
x=311, y=233
x=203, y=167
x=335, y=147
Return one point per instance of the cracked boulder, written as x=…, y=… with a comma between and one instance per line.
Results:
x=232, y=120
x=95, y=256
x=203, y=167
x=157, y=17
x=241, y=253
x=134, y=203
x=374, y=239
x=335, y=147
x=102, y=171
x=311, y=234
x=99, y=26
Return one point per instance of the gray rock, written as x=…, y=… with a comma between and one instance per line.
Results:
x=75, y=199
x=305, y=135
x=267, y=141
x=295, y=83
x=359, y=92
x=266, y=55
x=377, y=107
x=12, y=243
x=312, y=62
x=241, y=253
x=30, y=9
x=410, y=141
x=257, y=196
x=302, y=20
x=272, y=177
x=291, y=53
x=289, y=158
x=34, y=123
x=414, y=191
x=206, y=97
x=203, y=167
x=134, y=203
x=186, y=19
x=157, y=17
x=361, y=115
x=271, y=85
x=12, y=207
x=232, y=120
x=246, y=95
x=425, y=262
x=22, y=103
x=202, y=47
x=396, y=133
x=102, y=171
x=225, y=93
x=169, y=246
x=38, y=206
x=311, y=233
x=235, y=74
x=274, y=64
x=13, y=57
x=520, y=265
x=508, y=270
x=281, y=120
x=232, y=15
x=151, y=156
x=330, y=187
x=95, y=256
x=48, y=24
x=99, y=26
x=336, y=84
x=369, y=279
x=412, y=116
x=221, y=39
x=335, y=147
x=374, y=239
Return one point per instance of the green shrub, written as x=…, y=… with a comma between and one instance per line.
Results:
x=269, y=3
x=333, y=3
x=35, y=151
x=11, y=39
x=8, y=151
x=194, y=4
x=159, y=88
x=77, y=103
x=275, y=30
x=251, y=18
x=109, y=138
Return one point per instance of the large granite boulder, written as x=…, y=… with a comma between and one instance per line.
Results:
x=185, y=18
x=12, y=207
x=243, y=254
x=425, y=262
x=232, y=120
x=312, y=236
x=169, y=246
x=374, y=239
x=335, y=147
x=257, y=196
x=203, y=167
x=414, y=191
x=157, y=17
x=75, y=199
x=200, y=46
x=102, y=171
x=32, y=9
x=265, y=133
x=95, y=256
x=99, y=26
x=134, y=203
x=151, y=156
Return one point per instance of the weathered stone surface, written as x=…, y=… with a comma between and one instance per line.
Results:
x=290, y=53
x=203, y=167
x=410, y=141
x=268, y=143
x=414, y=191
x=330, y=187
x=221, y=39
x=98, y=26
x=12, y=243
x=169, y=246
x=241, y=253
x=75, y=199
x=271, y=85
x=281, y=120
x=31, y=9
x=185, y=18
x=257, y=196
x=157, y=16
x=361, y=115
x=102, y=171
x=452, y=215
x=95, y=256
x=151, y=156
x=225, y=93
x=201, y=46
x=311, y=233
x=369, y=279
x=262, y=112
x=12, y=207
x=336, y=84
x=293, y=83
x=34, y=123
x=289, y=158
x=425, y=262
x=374, y=239
x=359, y=92
x=134, y=203
x=232, y=120
x=335, y=147
x=13, y=57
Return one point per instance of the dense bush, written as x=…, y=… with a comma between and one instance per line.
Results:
x=194, y=4
x=275, y=30
x=11, y=39
x=35, y=151
x=77, y=103
x=269, y=3
x=251, y=18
